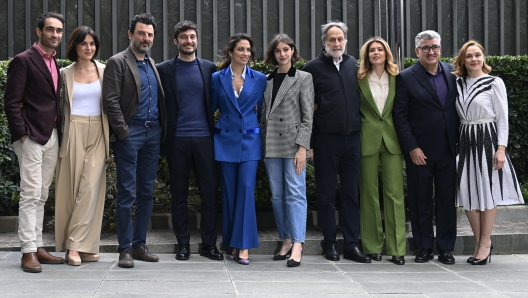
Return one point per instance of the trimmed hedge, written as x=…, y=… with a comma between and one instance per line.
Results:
x=511, y=69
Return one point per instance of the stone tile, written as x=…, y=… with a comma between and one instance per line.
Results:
x=508, y=286
x=47, y=295
x=400, y=296
x=168, y=275
x=485, y=276
x=72, y=276
x=424, y=287
x=175, y=266
x=167, y=287
x=292, y=275
x=50, y=286
x=387, y=267
x=402, y=276
x=278, y=289
x=157, y=295
x=467, y=295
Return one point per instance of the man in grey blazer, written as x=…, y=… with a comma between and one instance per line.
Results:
x=137, y=120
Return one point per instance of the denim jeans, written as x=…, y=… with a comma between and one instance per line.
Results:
x=288, y=198
x=136, y=160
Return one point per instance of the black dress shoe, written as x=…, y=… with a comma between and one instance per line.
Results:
x=356, y=255
x=375, y=257
x=211, y=252
x=293, y=263
x=184, y=253
x=398, y=260
x=446, y=257
x=424, y=255
x=470, y=260
x=330, y=252
x=279, y=257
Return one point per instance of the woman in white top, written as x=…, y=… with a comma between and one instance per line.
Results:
x=80, y=177
x=485, y=174
x=380, y=148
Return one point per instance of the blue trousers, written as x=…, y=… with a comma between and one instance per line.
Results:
x=136, y=160
x=239, y=228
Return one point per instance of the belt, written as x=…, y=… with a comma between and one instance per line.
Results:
x=474, y=122
x=249, y=131
x=145, y=123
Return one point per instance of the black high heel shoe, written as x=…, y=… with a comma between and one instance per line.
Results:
x=293, y=263
x=485, y=260
x=470, y=259
x=279, y=257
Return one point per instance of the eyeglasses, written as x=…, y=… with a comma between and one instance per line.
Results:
x=426, y=49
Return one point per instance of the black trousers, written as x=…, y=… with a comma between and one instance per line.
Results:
x=438, y=177
x=338, y=154
x=196, y=153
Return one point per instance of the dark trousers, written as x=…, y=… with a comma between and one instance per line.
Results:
x=438, y=176
x=136, y=159
x=196, y=153
x=338, y=154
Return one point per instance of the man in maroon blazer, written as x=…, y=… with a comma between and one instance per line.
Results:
x=31, y=101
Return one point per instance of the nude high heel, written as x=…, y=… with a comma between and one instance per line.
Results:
x=72, y=260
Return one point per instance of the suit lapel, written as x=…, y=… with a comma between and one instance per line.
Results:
x=283, y=89
x=365, y=89
x=131, y=62
x=249, y=83
x=41, y=65
x=451, y=84
x=390, y=98
x=421, y=76
x=68, y=74
x=227, y=83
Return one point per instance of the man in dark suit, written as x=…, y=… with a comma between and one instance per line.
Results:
x=31, y=102
x=427, y=125
x=186, y=80
x=133, y=100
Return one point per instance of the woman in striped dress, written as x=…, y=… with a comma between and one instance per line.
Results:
x=486, y=177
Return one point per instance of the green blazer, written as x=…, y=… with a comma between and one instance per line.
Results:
x=376, y=127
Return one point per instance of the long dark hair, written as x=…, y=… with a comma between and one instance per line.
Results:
x=269, y=58
x=77, y=37
x=231, y=45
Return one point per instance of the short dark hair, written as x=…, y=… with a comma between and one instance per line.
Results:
x=145, y=18
x=269, y=58
x=184, y=26
x=230, y=47
x=77, y=37
x=47, y=15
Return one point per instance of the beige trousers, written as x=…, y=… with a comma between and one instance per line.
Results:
x=80, y=187
x=36, y=163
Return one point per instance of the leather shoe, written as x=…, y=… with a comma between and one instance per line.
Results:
x=125, y=259
x=184, y=253
x=141, y=253
x=375, y=257
x=211, y=252
x=89, y=257
x=330, y=252
x=424, y=255
x=30, y=263
x=398, y=260
x=356, y=255
x=44, y=257
x=446, y=257
x=279, y=257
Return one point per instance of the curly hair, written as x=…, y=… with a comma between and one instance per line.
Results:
x=366, y=68
x=230, y=48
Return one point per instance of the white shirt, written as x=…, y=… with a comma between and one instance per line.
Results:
x=243, y=78
x=86, y=99
x=336, y=63
x=379, y=87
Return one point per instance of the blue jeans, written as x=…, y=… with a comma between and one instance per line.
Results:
x=136, y=159
x=288, y=198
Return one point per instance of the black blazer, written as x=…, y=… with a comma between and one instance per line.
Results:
x=167, y=73
x=419, y=117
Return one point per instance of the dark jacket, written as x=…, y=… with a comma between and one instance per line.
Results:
x=29, y=82
x=336, y=94
x=419, y=117
x=167, y=72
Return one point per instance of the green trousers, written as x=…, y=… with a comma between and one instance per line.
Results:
x=393, y=201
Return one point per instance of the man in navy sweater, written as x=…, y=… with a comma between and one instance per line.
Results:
x=186, y=80
x=335, y=141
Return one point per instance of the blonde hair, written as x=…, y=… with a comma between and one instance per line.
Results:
x=365, y=67
x=459, y=64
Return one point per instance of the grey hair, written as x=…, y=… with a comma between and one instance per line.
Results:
x=428, y=35
x=326, y=27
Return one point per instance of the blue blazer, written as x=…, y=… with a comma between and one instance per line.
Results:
x=237, y=132
x=419, y=117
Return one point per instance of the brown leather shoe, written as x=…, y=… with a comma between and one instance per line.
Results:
x=30, y=263
x=44, y=257
x=125, y=259
x=142, y=253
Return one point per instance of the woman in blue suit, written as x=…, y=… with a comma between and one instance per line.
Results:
x=237, y=92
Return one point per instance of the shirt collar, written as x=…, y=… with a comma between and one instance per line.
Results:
x=147, y=58
x=384, y=77
x=243, y=73
x=42, y=52
x=438, y=70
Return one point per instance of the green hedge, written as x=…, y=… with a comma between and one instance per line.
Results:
x=511, y=69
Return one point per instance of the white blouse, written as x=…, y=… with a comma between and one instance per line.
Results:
x=379, y=87
x=86, y=99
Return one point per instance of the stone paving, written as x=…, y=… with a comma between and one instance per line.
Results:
x=505, y=276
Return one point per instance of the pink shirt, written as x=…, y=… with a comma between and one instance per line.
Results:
x=50, y=63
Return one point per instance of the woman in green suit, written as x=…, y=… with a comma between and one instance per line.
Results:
x=380, y=148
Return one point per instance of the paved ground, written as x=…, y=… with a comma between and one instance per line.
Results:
x=505, y=276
